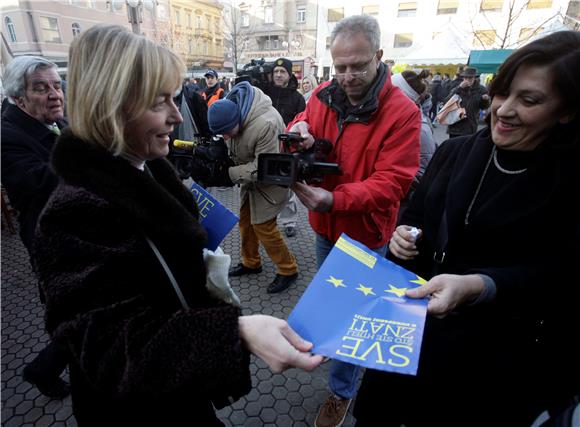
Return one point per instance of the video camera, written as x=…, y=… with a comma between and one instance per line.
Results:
x=257, y=73
x=296, y=165
x=203, y=159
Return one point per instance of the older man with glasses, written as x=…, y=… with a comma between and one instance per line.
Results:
x=375, y=131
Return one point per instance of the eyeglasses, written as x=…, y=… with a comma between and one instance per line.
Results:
x=357, y=73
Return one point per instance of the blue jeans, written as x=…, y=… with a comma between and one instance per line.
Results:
x=343, y=376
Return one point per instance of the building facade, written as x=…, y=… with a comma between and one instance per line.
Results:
x=46, y=28
x=206, y=33
x=197, y=34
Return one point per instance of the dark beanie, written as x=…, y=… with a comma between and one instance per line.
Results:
x=283, y=62
x=222, y=116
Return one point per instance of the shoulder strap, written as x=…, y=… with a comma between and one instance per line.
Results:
x=168, y=273
x=442, y=238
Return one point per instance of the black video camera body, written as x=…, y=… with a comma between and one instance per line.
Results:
x=296, y=164
x=202, y=159
x=258, y=73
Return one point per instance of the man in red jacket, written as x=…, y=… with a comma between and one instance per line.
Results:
x=375, y=131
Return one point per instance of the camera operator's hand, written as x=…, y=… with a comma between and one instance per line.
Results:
x=314, y=198
x=303, y=129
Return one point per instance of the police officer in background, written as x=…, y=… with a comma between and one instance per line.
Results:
x=214, y=91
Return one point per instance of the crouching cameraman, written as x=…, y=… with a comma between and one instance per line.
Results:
x=251, y=126
x=280, y=84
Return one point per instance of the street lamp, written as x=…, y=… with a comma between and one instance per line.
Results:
x=291, y=45
x=135, y=14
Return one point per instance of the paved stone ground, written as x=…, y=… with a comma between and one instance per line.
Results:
x=288, y=399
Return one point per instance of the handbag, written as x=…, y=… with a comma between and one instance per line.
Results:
x=217, y=266
x=451, y=112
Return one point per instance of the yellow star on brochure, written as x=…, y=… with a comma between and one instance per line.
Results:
x=336, y=282
x=420, y=281
x=400, y=292
x=365, y=290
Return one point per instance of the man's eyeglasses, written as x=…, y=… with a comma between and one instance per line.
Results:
x=357, y=73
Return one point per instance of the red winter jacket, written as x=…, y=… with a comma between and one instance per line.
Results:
x=377, y=145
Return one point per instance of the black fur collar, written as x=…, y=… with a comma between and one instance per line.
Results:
x=160, y=204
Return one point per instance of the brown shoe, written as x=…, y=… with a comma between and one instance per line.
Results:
x=332, y=412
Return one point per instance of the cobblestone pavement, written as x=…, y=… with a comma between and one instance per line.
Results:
x=288, y=399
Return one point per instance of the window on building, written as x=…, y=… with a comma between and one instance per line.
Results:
x=491, y=5
x=10, y=29
x=177, y=17
x=484, y=38
x=574, y=9
x=76, y=29
x=447, y=7
x=268, y=15
x=335, y=14
x=527, y=33
x=301, y=14
x=49, y=29
x=190, y=47
x=539, y=4
x=371, y=9
x=269, y=42
x=407, y=9
x=403, y=40
x=245, y=19
x=197, y=21
x=189, y=20
x=328, y=42
x=205, y=48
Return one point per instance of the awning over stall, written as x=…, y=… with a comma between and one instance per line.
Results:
x=488, y=61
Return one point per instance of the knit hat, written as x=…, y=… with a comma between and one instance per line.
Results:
x=211, y=73
x=283, y=62
x=222, y=116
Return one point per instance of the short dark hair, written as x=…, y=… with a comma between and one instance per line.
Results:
x=415, y=81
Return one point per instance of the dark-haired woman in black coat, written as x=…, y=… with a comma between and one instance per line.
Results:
x=500, y=246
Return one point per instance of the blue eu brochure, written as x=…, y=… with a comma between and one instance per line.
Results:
x=215, y=217
x=355, y=310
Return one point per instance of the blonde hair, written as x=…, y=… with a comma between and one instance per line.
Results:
x=114, y=78
x=312, y=81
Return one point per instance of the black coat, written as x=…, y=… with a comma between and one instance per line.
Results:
x=472, y=100
x=26, y=173
x=496, y=363
x=138, y=358
x=286, y=100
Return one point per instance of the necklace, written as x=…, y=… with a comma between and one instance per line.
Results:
x=466, y=221
x=497, y=165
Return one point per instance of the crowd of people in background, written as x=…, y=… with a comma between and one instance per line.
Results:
x=95, y=193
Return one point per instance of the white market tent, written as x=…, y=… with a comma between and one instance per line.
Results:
x=449, y=47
